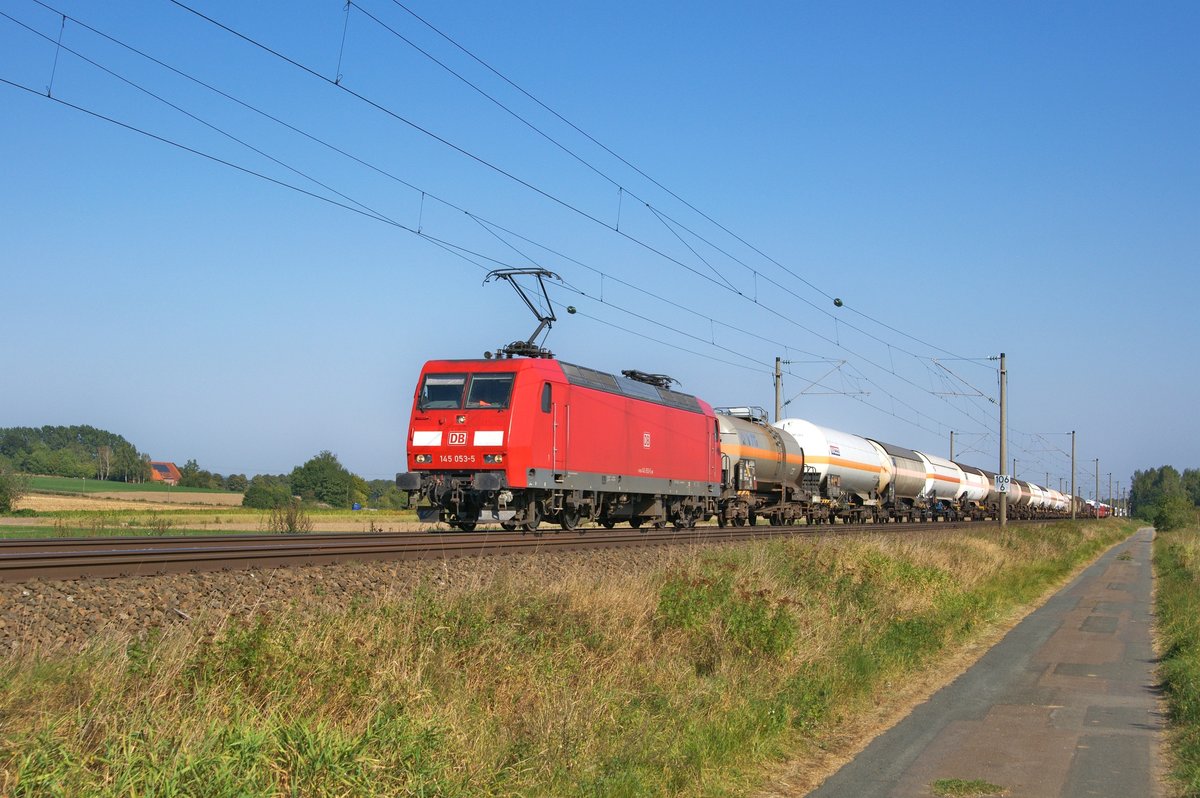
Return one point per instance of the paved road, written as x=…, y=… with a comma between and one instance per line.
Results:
x=1064, y=706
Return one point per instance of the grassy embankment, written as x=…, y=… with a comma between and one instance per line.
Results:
x=694, y=676
x=1177, y=564
x=167, y=521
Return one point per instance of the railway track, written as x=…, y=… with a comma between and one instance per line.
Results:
x=77, y=558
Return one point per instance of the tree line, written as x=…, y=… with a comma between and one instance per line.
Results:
x=81, y=452
x=323, y=481
x=1165, y=497
x=84, y=452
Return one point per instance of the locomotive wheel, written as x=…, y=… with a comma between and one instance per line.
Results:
x=532, y=519
x=569, y=519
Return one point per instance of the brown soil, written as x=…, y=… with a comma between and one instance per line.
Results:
x=173, y=499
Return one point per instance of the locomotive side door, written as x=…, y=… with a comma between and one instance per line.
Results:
x=561, y=421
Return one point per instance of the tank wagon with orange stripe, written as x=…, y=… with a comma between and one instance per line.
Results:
x=763, y=471
x=850, y=470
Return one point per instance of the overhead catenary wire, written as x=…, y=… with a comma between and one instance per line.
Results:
x=530, y=186
x=654, y=181
x=382, y=218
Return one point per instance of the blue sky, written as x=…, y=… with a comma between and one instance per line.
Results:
x=1017, y=177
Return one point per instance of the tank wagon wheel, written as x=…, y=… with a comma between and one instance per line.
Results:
x=739, y=521
x=721, y=521
x=465, y=526
x=635, y=522
x=607, y=523
x=509, y=525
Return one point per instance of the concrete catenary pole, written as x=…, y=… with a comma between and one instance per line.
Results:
x=1111, y=503
x=1072, y=475
x=1097, y=462
x=1003, y=436
x=952, y=444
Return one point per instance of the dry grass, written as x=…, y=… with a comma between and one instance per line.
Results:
x=49, y=503
x=693, y=678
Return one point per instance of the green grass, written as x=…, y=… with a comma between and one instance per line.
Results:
x=1177, y=565
x=70, y=485
x=692, y=678
x=966, y=788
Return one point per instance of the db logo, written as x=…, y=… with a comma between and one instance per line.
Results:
x=645, y=440
x=458, y=439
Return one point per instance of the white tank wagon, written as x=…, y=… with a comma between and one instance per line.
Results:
x=905, y=496
x=1057, y=501
x=1037, y=498
x=851, y=470
x=945, y=485
x=977, y=486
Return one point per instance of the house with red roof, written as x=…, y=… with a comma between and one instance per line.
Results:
x=164, y=472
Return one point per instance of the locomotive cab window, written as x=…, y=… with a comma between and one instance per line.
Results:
x=442, y=391
x=546, y=398
x=490, y=391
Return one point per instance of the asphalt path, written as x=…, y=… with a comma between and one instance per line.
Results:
x=1065, y=706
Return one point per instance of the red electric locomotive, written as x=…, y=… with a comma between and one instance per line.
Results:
x=522, y=440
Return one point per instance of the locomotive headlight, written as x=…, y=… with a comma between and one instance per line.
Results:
x=493, y=458
x=424, y=458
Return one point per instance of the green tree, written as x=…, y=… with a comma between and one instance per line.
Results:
x=384, y=495
x=12, y=487
x=267, y=492
x=1190, y=481
x=1151, y=488
x=72, y=452
x=236, y=483
x=323, y=479
x=1175, y=511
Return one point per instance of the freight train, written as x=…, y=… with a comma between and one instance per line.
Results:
x=520, y=441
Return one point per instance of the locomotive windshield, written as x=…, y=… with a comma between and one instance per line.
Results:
x=490, y=390
x=442, y=391
x=445, y=391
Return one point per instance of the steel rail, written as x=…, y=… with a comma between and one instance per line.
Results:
x=76, y=558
